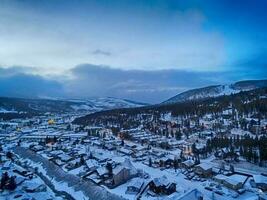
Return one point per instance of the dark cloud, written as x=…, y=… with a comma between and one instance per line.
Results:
x=89, y=80
x=250, y=67
x=148, y=86
x=15, y=82
x=101, y=52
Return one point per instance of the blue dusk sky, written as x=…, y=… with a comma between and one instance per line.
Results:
x=145, y=50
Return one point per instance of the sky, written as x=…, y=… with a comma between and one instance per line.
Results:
x=143, y=50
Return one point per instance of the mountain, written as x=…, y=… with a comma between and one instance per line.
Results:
x=252, y=101
x=10, y=105
x=217, y=90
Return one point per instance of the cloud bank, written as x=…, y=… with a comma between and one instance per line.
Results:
x=152, y=86
x=89, y=80
x=17, y=82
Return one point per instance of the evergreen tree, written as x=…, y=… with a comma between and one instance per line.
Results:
x=150, y=162
x=4, y=180
x=109, y=168
x=12, y=184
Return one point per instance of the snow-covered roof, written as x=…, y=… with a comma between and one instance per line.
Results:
x=128, y=165
x=238, y=178
x=137, y=183
x=189, y=163
x=101, y=171
x=260, y=179
x=91, y=163
x=64, y=157
x=193, y=194
x=161, y=181
x=205, y=166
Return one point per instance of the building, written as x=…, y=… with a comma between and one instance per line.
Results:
x=162, y=186
x=120, y=175
x=260, y=181
x=203, y=170
x=188, y=164
x=193, y=194
x=135, y=186
x=123, y=173
x=234, y=182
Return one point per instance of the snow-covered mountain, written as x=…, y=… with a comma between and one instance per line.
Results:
x=16, y=105
x=103, y=103
x=217, y=90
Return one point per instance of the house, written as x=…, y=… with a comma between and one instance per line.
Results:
x=58, y=162
x=193, y=194
x=120, y=175
x=64, y=157
x=203, y=170
x=260, y=181
x=124, y=172
x=102, y=172
x=263, y=197
x=37, y=148
x=73, y=164
x=135, y=186
x=169, y=159
x=162, y=186
x=101, y=158
x=234, y=182
x=125, y=151
x=188, y=164
x=23, y=172
x=31, y=187
x=7, y=165
x=19, y=180
x=91, y=164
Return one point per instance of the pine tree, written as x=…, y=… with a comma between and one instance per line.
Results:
x=82, y=161
x=150, y=162
x=4, y=180
x=12, y=184
x=109, y=168
x=175, y=164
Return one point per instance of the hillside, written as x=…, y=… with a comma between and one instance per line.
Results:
x=217, y=90
x=252, y=101
x=20, y=106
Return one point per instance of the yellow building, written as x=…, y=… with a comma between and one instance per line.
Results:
x=51, y=121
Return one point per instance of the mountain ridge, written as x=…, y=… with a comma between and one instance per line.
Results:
x=216, y=90
x=41, y=105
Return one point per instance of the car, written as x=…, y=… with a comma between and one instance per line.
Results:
x=208, y=188
x=234, y=195
x=241, y=191
x=219, y=192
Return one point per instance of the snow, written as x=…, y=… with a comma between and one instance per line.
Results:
x=260, y=179
x=205, y=166
x=3, y=110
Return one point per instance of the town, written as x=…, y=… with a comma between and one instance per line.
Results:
x=142, y=156
x=133, y=100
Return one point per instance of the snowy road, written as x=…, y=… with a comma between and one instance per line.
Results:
x=75, y=186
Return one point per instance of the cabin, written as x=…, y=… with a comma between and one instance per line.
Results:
x=91, y=164
x=123, y=172
x=193, y=194
x=188, y=164
x=64, y=157
x=102, y=172
x=260, y=181
x=37, y=148
x=125, y=151
x=135, y=186
x=203, y=170
x=234, y=182
x=120, y=175
x=31, y=187
x=162, y=186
